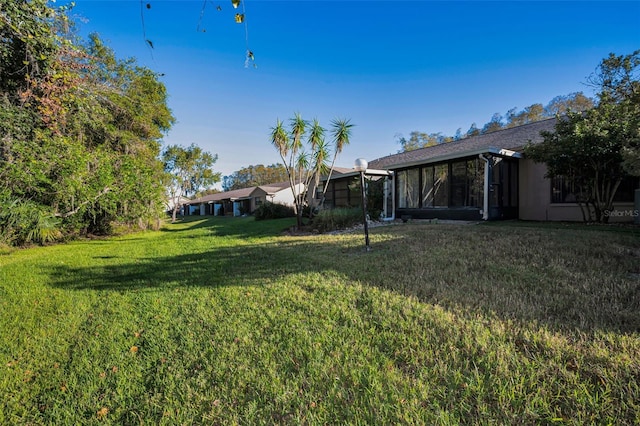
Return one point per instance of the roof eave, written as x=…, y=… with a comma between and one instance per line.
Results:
x=368, y=172
x=452, y=156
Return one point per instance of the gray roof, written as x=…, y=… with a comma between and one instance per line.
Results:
x=341, y=170
x=273, y=188
x=243, y=193
x=228, y=195
x=513, y=139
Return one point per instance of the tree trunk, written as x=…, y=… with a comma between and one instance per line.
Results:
x=299, y=219
x=174, y=213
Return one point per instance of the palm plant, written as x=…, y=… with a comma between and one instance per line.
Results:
x=305, y=167
x=341, y=132
x=289, y=146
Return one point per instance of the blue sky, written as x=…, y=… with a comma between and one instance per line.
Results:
x=390, y=66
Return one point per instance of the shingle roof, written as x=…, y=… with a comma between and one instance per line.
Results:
x=512, y=139
x=272, y=188
x=341, y=170
x=236, y=194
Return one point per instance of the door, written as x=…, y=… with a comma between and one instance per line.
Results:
x=503, y=189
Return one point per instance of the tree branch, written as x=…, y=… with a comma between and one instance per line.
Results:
x=77, y=209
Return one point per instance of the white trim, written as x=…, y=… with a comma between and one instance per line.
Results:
x=485, y=195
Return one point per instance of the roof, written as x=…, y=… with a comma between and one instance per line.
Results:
x=341, y=170
x=243, y=193
x=272, y=188
x=513, y=139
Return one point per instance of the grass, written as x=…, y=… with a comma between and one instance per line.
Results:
x=219, y=321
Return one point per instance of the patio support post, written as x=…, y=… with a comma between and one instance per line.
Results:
x=361, y=166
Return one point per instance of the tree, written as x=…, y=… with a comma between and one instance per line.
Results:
x=494, y=125
x=589, y=148
x=80, y=129
x=341, y=133
x=583, y=152
x=576, y=102
x=419, y=140
x=560, y=105
x=530, y=114
x=618, y=78
x=188, y=170
x=257, y=175
x=305, y=164
x=473, y=130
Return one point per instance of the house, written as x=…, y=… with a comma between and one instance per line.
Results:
x=241, y=201
x=483, y=177
x=171, y=202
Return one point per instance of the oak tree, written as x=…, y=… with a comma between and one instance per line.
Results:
x=188, y=170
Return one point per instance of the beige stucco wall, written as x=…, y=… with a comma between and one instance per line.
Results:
x=535, y=199
x=257, y=193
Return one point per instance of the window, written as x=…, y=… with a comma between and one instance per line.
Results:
x=427, y=186
x=564, y=191
x=467, y=183
x=459, y=184
x=626, y=190
x=441, y=185
x=456, y=184
x=409, y=189
x=341, y=192
x=355, y=194
x=475, y=174
x=328, y=196
x=258, y=201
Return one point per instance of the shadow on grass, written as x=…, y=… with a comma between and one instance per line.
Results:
x=220, y=267
x=240, y=227
x=525, y=275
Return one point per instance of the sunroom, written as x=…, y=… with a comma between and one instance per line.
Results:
x=480, y=184
x=474, y=185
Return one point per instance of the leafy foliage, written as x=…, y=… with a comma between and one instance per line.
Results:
x=422, y=140
x=187, y=171
x=24, y=222
x=305, y=165
x=81, y=129
x=269, y=210
x=339, y=218
x=583, y=151
x=589, y=148
x=257, y=175
x=576, y=102
x=618, y=77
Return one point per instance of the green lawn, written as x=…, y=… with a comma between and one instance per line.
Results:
x=228, y=321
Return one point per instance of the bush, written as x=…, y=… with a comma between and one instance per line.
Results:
x=273, y=211
x=340, y=218
x=24, y=222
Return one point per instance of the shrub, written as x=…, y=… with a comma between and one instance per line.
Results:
x=340, y=218
x=23, y=222
x=273, y=211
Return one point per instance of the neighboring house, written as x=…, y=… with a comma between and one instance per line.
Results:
x=170, y=202
x=482, y=177
x=279, y=193
x=240, y=201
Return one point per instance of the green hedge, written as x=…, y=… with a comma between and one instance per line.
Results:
x=273, y=211
x=339, y=218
